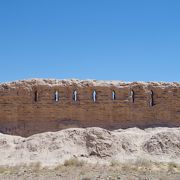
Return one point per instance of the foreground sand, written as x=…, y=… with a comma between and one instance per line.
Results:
x=79, y=170
x=92, y=153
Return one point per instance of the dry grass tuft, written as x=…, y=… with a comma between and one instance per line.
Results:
x=3, y=169
x=172, y=166
x=73, y=162
x=36, y=167
x=114, y=163
x=86, y=178
x=141, y=162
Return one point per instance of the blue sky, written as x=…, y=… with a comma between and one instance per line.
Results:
x=90, y=39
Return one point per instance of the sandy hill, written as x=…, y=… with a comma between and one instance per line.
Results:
x=92, y=145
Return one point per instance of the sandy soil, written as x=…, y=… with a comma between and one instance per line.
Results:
x=81, y=171
x=92, y=145
x=92, y=153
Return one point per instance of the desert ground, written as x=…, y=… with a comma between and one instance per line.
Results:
x=92, y=153
x=79, y=170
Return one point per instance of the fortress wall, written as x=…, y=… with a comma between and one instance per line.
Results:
x=21, y=115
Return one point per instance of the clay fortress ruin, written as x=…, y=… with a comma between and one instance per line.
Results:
x=39, y=105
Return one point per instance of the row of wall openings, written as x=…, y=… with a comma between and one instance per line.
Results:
x=151, y=99
x=74, y=96
x=57, y=97
x=94, y=96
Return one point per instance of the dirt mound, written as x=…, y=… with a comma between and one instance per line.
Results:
x=167, y=143
x=92, y=145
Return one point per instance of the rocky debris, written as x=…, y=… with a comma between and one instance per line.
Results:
x=83, y=83
x=164, y=143
x=92, y=145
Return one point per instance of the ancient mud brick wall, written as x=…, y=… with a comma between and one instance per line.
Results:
x=29, y=107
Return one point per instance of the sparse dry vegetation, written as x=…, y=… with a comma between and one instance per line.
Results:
x=73, y=162
x=77, y=169
x=114, y=163
x=3, y=169
x=36, y=167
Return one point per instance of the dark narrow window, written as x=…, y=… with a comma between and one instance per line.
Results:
x=56, y=96
x=113, y=95
x=132, y=96
x=35, y=96
x=94, y=96
x=151, y=101
x=75, y=95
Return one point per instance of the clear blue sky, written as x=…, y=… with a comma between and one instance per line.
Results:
x=90, y=39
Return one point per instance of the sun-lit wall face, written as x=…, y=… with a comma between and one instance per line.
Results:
x=29, y=107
